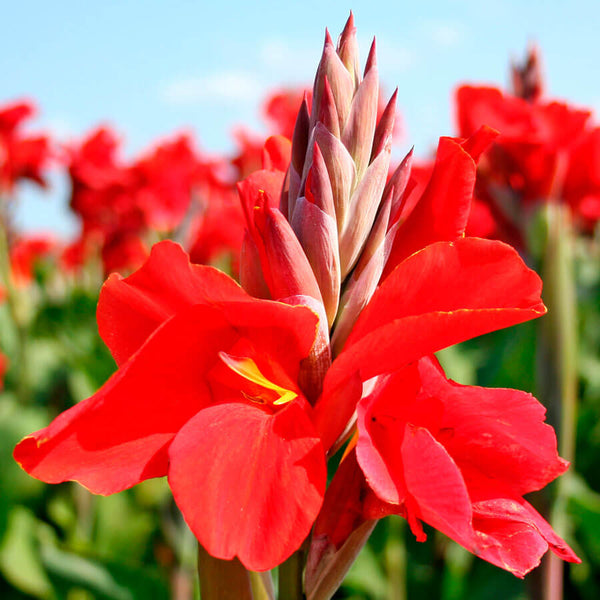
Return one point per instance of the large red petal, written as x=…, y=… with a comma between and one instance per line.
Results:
x=130, y=309
x=382, y=418
x=119, y=436
x=442, y=212
x=249, y=483
x=497, y=437
x=467, y=274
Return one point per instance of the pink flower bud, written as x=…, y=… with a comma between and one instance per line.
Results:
x=359, y=128
x=317, y=233
x=362, y=209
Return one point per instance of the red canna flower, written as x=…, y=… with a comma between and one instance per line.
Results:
x=21, y=157
x=581, y=185
x=171, y=189
x=207, y=393
x=479, y=462
x=164, y=181
x=533, y=136
x=239, y=400
x=547, y=151
x=26, y=251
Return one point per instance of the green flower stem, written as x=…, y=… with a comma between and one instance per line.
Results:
x=395, y=559
x=290, y=577
x=15, y=307
x=262, y=585
x=557, y=366
x=222, y=579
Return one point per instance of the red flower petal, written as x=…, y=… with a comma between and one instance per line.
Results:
x=382, y=418
x=249, y=483
x=442, y=212
x=468, y=274
x=513, y=536
x=130, y=309
x=435, y=485
x=119, y=436
x=430, y=448
x=442, y=295
x=502, y=445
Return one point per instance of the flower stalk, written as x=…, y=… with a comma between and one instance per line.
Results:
x=222, y=579
x=557, y=365
x=291, y=576
x=14, y=303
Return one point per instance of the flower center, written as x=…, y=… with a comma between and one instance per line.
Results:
x=261, y=389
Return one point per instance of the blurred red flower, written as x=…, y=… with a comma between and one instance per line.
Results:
x=21, y=156
x=3, y=368
x=26, y=251
x=546, y=151
x=123, y=206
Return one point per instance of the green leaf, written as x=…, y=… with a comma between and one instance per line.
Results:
x=20, y=561
x=104, y=580
x=366, y=576
x=16, y=422
x=122, y=529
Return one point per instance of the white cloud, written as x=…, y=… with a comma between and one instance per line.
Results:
x=445, y=33
x=395, y=58
x=231, y=87
x=278, y=56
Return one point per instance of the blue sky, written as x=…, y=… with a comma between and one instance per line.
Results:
x=153, y=68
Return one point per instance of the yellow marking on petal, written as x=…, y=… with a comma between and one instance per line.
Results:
x=248, y=369
x=351, y=445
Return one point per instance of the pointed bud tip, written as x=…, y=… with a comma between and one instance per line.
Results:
x=349, y=27
x=390, y=107
x=372, y=58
